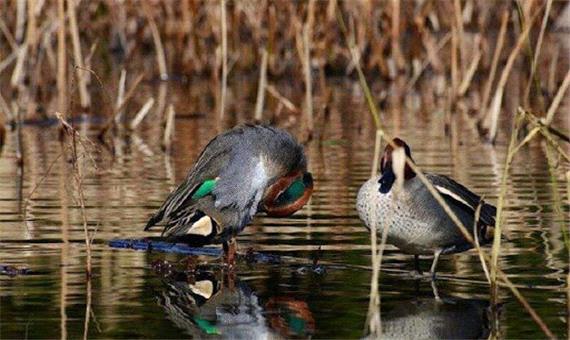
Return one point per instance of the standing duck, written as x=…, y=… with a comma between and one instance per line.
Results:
x=418, y=224
x=249, y=169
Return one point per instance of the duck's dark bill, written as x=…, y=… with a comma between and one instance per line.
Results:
x=386, y=181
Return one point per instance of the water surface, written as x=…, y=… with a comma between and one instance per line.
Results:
x=131, y=297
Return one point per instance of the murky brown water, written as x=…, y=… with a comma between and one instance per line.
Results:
x=130, y=299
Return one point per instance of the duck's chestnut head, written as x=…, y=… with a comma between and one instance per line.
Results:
x=288, y=194
x=388, y=176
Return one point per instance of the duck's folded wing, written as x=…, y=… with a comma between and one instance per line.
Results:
x=458, y=196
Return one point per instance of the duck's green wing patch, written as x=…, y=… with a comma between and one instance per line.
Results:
x=204, y=189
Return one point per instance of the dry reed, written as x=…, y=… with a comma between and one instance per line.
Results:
x=495, y=108
x=84, y=96
x=224, y=48
x=160, y=55
x=145, y=109
x=261, y=87
x=169, y=128
x=61, y=58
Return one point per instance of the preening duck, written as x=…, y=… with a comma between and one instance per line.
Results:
x=246, y=170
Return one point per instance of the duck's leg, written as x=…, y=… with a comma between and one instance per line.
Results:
x=434, y=263
x=230, y=252
x=417, y=264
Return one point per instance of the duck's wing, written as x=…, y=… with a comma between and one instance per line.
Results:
x=222, y=191
x=458, y=196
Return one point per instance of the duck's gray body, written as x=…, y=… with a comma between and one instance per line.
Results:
x=418, y=225
x=243, y=161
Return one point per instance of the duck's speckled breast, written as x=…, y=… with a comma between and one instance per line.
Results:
x=414, y=223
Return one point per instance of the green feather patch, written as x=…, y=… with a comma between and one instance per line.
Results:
x=293, y=192
x=204, y=189
x=206, y=326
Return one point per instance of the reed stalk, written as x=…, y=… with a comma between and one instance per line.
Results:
x=553, y=69
x=84, y=97
x=537, y=50
x=261, y=87
x=61, y=58
x=169, y=128
x=568, y=275
x=395, y=36
x=468, y=75
x=496, y=248
x=307, y=41
x=282, y=100
x=495, y=108
x=494, y=63
x=432, y=55
x=120, y=95
x=8, y=35
x=72, y=134
x=373, y=321
x=224, y=33
x=557, y=99
x=88, y=302
x=454, y=63
x=145, y=109
x=460, y=35
x=160, y=55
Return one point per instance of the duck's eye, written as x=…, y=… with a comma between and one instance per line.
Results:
x=292, y=193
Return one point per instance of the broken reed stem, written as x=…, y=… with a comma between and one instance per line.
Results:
x=224, y=58
x=78, y=178
x=546, y=131
x=160, y=55
x=141, y=114
x=495, y=108
x=84, y=97
x=286, y=102
x=168, y=128
x=537, y=50
x=61, y=58
x=494, y=63
x=557, y=99
x=568, y=259
x=261, y=87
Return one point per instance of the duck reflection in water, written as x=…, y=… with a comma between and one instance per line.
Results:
x=208, y=303
x=443, y=318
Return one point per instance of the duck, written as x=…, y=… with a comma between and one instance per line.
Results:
x=246, y=170
x=418, y=225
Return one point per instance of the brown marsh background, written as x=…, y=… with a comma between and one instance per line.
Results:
x=106, y=104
